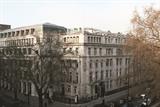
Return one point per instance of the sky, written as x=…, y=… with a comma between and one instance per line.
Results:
x=113, y=15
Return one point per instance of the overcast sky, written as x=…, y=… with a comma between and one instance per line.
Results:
x=113, y=15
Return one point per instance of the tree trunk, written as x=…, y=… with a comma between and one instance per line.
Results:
x=40, y=100
x=15, y=94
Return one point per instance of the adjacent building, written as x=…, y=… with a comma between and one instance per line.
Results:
x=17, y=55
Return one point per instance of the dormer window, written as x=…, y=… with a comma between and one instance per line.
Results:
x=13, y=33
x=22, y=32
x=32, y=31
x=27, y=31
x=17, y=33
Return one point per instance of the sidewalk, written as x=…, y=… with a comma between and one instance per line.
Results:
x=34, y=101
x=93, y=102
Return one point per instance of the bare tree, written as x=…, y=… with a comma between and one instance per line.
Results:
x=144, y=44
x=47, y=69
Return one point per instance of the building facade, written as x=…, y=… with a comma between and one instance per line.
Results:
x=95, y=60
x=17, y=55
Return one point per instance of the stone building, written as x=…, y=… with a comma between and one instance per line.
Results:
x=97, y=62
x=94, y=58
x=17, y=55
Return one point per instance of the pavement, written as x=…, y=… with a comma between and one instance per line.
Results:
x=5, y=99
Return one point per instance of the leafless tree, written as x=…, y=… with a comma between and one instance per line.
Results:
x=47, y=69
x=143, y=43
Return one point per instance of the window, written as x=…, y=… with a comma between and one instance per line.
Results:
x=101, y=75
x=95, y=51
x=94, y=39
x=32, y=31
x=76, y=77
x=90, y=64
x=106, y=73
x=22, y=32
x=100, y=51
x=27, y=31
x=97, y=39
x=102, y=64
x=117, y=61
x=76, y=50
x=107, y=62
x=24, y=51
x=70, y=76
x=9, y=34
x=75, y=89
x=29, y=51
x=119, y=51
x=109, y=39
x=111, y=62
x=70, y=49
x=100, y=40
x=64, y=39
x=110, y=73
x=89, y=51
x=96, y=64
x=91, y=39
x=110, y=83
x=120, y=61
x=64, y=50
x=96, y=75
x=77, y=39
x=17, y=33
x=68, y=88
x=88, y=39
x=116, y=40
x=107, y=84
x=90, y=76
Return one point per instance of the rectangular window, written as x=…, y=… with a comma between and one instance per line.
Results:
x=76, y=77
x=90, y=76
x=110, y=83
x=24, y=51
x=111, y=62
x=76, y=50
x=101, y=75
x=29, y=51
x=89, y=51
x=96, y=64
x=100, y=51
x=101, y=64
x=107, y=62
x=96, y=75
x=32, y=31
x=106, y=73
x=22, y=32
x=95, y=51
x=17, y=33
x=27, y=31
x=90, y=64
x=68, y=88
x=110, y=73
x=117, y=61
x=88, y=39
x=75, y=89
